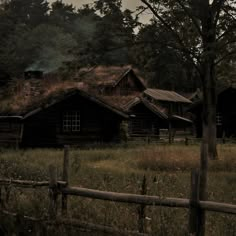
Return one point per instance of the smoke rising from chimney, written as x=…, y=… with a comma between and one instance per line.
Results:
x=54, y=48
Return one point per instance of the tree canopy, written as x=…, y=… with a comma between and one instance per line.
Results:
x=34, y=32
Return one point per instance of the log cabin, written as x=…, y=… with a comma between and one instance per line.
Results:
x=88, y=109
x=68, y=117
x=153, y=110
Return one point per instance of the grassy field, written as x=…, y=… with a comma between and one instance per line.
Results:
x=167, y=169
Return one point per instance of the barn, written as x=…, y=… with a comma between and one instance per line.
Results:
x=225, y=115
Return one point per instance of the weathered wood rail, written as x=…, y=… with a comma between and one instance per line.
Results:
x=164, y=139
x=149, y=200
x=193, y=140
x=56, y=188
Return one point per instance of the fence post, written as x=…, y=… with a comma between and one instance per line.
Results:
x=19, y=224
x=194, y=211
x=1, y=199
x=53, y=192
x=141, y=208
x=186, y=141
x=65, y=177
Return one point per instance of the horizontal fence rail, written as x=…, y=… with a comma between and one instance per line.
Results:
x=28, y=183
x=24, y=183
x=149, y=200
x=125, y=197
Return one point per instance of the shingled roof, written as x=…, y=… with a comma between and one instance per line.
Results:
x=118, y=101
x=36, y=105
x=165, y=95
x=107, y=75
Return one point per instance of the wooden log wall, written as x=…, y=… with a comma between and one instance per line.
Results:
x=45, y=128
x=10, y=133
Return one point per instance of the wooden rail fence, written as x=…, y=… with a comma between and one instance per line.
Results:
x=56, y=188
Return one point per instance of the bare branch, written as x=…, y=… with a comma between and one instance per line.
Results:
x=191, y=16
x=225, y=56
x=226, y=32
x=225, y=44
x=183, y=47
x=229, y=14
x=161, y=19
x=216, y=9
x=141, y=11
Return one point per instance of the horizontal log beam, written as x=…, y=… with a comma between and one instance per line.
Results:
x=218, y=207
x=23, y=183
x=148, y=200
x=13, y=214
x=28, y=183
x=126, y=198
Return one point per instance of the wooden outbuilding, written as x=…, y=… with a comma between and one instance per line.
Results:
x=146, y=119
x=225, y=116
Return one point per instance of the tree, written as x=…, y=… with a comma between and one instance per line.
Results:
x=164, y=66
x=104, y=34
x=85, y=28
x=17, y=18
x=62, y=15
x=115, y=31
x=27, y=49
x=211, y=25
x=28, y=12
x=213, y=21
x=30, y=37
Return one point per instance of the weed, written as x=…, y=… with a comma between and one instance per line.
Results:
x=167, y=169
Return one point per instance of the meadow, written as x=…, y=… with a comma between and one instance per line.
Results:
x=121, y=169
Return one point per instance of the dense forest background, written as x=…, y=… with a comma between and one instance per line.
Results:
x=36, y=35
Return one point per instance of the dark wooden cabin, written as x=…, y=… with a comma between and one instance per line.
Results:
x=225, y=116
x=74, y=117
x=10, y=131
x=88, y=109
x=146, y=119
x=172, y=104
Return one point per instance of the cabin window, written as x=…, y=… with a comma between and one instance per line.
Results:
x=218, y=119
x=71, y=121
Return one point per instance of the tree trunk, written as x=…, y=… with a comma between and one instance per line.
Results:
x=209, y=78
x=212, y=142
x=204, y=159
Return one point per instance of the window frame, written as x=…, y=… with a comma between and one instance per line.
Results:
x=72, y=120
x=219, y=119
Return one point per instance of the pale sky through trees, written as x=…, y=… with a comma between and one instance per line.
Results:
x=126, y=3
x=130, y=4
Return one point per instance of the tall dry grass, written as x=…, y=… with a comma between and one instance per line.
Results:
x=167, y=169
x=183, y=158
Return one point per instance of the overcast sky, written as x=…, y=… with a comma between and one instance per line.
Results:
x=126, y=3
x=130, y=4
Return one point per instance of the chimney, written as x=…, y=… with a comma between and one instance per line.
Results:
x=33, y=74
x=33, y=83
